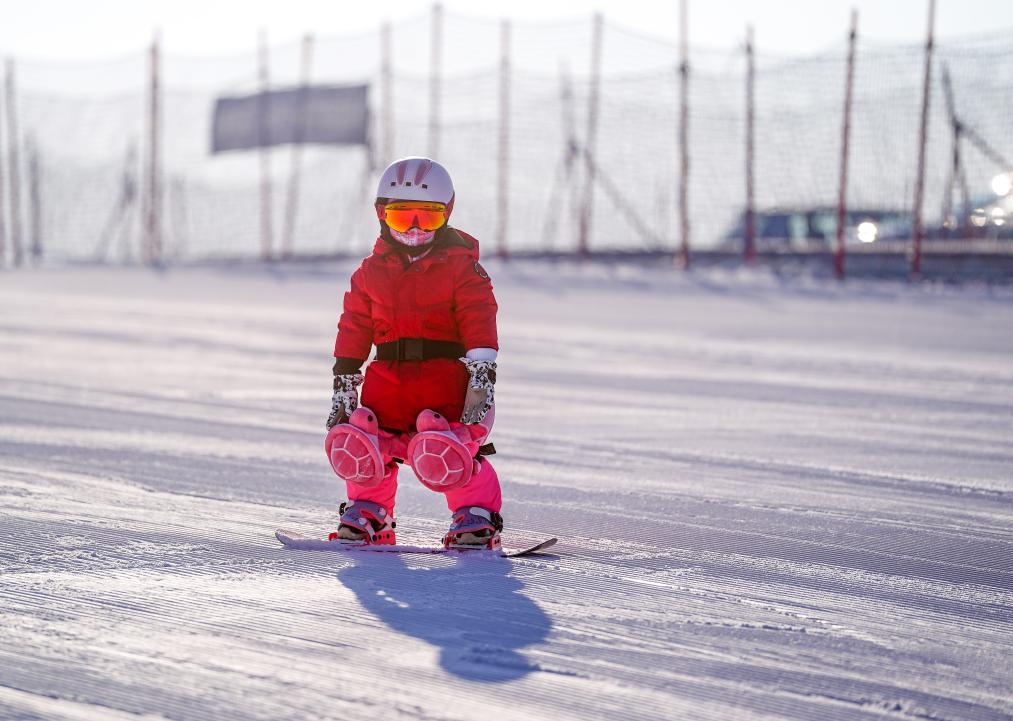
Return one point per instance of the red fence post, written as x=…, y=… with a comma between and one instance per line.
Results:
x=918, y=228
x=3, y=227
x=842, y=198
x=152, y=251
x=435, y=58
x=503, y=185
x=14, y=164
x=387, y=95
x=683, y=135
x=749, y=251
x=35, y=198
x=295, y=152
x=266, y=222
x=587, y=207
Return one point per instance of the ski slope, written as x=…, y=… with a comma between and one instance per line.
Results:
x=776, y=499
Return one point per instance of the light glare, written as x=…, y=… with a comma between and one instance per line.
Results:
x=1002, y=184
x=867, y=231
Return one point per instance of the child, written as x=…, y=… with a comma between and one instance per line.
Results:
x=427, y=304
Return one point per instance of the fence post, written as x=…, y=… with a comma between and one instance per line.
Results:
x=14, y=160
x=436, y=56
x=918, y=227
x=572, y=156
x=842, y=198
x=295, y=156
x=3, y=226
x=957, y=174
x=684, y=134
x=386, y=97
x=587, y=207
x=153, y=201
x=504, y=141
x=35, y=199
x=263, y=128
x=749, y=250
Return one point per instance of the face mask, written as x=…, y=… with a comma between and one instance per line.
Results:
x=413, y=237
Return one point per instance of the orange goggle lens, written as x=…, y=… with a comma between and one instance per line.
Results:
x=424, y=216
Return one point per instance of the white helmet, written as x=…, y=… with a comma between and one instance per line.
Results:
x=416, y=178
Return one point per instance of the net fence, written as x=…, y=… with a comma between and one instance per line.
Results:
x=74, y=140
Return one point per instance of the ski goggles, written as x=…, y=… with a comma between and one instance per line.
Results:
x=403, y=215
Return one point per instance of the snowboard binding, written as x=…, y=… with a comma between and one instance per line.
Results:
x=473, y=527
x=364, y=523
x=353, y=448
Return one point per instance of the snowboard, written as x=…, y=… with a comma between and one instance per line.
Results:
x=300, y=542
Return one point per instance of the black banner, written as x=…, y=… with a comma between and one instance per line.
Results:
x=327, y=114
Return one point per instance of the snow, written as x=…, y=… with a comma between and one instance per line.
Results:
x=775, y=499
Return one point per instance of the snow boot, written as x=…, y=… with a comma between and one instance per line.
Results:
x=474, y=527
x=365, y=523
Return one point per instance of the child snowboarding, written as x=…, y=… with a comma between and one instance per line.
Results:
x=422, y=298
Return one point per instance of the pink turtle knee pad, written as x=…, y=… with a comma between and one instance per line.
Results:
x=437, y=454
x=354, y=450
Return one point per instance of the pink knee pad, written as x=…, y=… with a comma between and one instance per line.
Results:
x=437, y=454
x=354, y=450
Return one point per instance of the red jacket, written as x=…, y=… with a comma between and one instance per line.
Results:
x=445, y=295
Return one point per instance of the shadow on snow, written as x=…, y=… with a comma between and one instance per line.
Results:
x=473, y=610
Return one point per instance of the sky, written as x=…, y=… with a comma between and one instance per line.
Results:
x=76, y=30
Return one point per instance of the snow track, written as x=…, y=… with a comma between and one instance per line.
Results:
x=774, y=500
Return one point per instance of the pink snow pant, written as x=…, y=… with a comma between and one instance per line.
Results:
x=481, y=490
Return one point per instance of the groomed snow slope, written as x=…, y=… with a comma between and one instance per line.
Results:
x=774, y=500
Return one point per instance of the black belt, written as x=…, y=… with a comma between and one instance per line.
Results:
x=408, y=349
